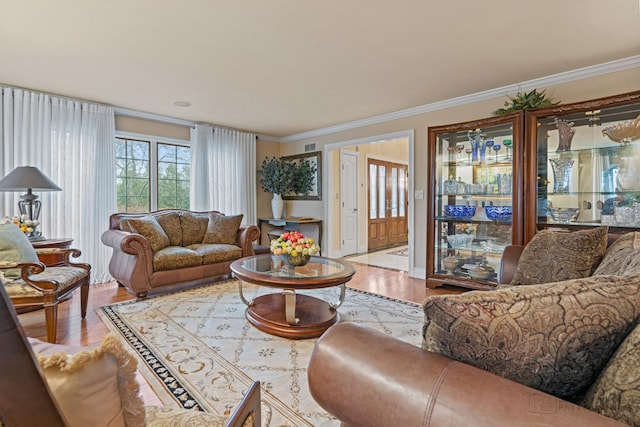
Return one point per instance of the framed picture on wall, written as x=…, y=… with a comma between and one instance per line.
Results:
x=315, y=158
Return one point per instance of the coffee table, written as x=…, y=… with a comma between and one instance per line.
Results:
x=286, y=313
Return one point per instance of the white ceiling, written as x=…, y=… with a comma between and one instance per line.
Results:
x=282, y=67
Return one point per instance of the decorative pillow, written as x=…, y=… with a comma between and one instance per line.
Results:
x=93, y=386
x=194, y=226
x=149, y=228
x=622, y=257
x=616, y=392
x=554, y=337
x=553, y=256
x=170, y=223
x=223, y=229
x=15, y=247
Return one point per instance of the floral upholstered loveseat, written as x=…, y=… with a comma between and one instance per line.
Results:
x=558, y=344
x=174, y=248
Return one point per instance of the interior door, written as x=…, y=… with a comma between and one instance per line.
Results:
x=349, y=202
x=387, y=204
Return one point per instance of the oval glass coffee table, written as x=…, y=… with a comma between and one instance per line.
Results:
x=287, y=314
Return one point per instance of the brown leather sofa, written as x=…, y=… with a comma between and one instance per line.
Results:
x=366, y=378
x=141, y=267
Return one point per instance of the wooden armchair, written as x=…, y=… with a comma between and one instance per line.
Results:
x=30, y=284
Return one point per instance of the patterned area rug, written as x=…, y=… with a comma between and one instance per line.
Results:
x=197, y=350
x=401, y=252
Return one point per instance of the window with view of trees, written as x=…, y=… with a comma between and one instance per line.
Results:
x=152, y=175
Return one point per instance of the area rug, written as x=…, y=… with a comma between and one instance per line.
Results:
x=401, y=252
x=197, y=350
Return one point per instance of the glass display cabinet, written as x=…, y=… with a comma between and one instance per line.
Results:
x=583, y=167
x=474, y=207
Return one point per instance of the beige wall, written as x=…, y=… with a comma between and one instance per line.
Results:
x=594, y=87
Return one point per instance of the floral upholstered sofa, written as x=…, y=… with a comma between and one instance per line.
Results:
x=175, y=248
x=557, y=344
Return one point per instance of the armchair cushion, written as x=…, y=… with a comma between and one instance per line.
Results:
x=15, y=247
x=93, y=386
x=223, y=229
x=554, y=337
x=616, y=392
x=622, y=257
x=148, y=227
x=553, y=256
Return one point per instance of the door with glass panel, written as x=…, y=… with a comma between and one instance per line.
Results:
x=387, y=204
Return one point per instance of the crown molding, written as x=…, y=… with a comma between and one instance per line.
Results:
x=555, y=79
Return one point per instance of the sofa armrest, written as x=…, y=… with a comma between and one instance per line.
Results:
x=509, y=263
x=365, y=378
x=132, y=258
x=246, y=236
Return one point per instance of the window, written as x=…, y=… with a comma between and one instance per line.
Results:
x=152, y=175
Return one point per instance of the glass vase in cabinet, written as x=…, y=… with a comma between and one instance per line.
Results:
x=474, y=204
x=584, y=165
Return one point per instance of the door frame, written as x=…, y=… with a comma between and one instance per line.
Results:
x=328, y=188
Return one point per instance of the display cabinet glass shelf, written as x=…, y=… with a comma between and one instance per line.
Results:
x=474, y=206
x=584, y=165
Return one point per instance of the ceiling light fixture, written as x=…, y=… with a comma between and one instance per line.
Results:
x=181, y=103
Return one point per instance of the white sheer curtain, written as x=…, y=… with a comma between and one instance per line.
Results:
x=74, y=144
x=223, y=171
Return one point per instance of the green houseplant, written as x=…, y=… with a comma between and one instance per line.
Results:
x=279, y=175
x=525, y=101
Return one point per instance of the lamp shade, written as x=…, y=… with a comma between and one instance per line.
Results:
x=27, y=177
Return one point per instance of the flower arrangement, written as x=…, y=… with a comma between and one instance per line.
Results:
x=295, y=244
x=25, y=224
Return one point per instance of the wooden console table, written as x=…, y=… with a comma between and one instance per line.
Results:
x=290, y=224
x=51, y=259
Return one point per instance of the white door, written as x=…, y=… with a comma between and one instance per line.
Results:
x=349, y=202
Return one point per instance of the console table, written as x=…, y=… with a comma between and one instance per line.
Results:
x=295, y=223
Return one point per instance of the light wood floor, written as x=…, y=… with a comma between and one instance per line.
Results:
x=72, y=330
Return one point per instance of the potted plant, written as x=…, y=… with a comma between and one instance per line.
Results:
x=525, y=101
x=304, y=173
x=276, y=175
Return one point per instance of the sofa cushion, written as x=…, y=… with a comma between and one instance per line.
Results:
x=15, y=247
x=194, y=226
x=175, y=257
x=149, y=228
x=553, y=256
x=170, y=223
x=616, y=392
x=554, y=337
x=622, y=257
x=213, y=253
x=223, y=229
x=93, y=386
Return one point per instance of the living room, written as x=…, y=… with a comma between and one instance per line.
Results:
x=349, y=88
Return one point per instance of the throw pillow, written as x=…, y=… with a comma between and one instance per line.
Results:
x=622, y=257
x=223, y=229
x=553, y=256
x=149, y=228
x=15, y=247
x=554, y=337
x=616, y=392
x=194, y=227
x=93, y=386
x=170, y=223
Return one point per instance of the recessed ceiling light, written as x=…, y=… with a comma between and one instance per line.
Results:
x=181, y=103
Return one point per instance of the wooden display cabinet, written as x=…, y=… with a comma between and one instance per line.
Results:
x=477, y=166
x=577, y=176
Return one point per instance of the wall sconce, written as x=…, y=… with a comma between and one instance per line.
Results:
x=28, y=178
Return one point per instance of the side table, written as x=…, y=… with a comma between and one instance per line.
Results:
x=51, y=259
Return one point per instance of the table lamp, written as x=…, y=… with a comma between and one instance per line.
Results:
x=31, y=179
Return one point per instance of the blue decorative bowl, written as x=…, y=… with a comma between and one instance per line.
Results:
x=459, y=211
x=498, y=213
